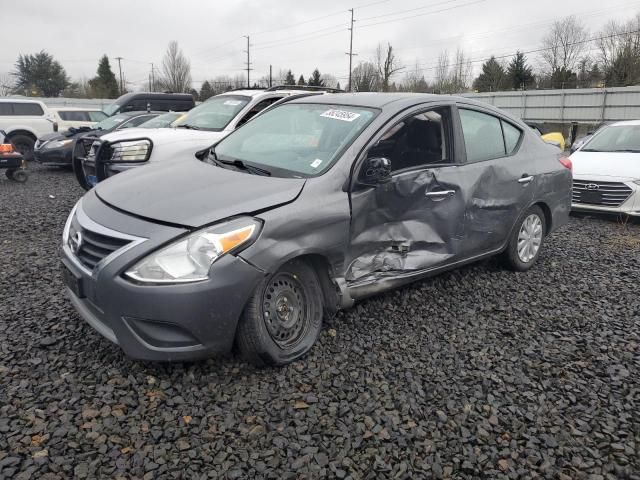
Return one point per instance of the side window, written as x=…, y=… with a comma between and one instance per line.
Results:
x=422, y=139
x=6, y=108
x=27, y=109
x=482, y=136
x=257, y=108
x=511, y=136
x=134, y=122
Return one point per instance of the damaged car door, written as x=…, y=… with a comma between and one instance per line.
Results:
x=499, y=180
x=407, y=207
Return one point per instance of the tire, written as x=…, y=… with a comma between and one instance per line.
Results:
x=76, y=165
x=23, y=144
x=19, y=176
x=283, y=318
x=527, y=235
x=9, y=172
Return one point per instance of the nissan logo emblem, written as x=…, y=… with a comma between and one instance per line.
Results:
x=75, y=242
x=593, y=186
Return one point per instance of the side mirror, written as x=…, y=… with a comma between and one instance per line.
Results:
x=375, y=171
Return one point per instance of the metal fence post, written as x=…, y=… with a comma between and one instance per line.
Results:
x=604, y=105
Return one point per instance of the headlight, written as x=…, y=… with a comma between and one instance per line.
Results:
x=58, y=143
x=190, y=258
x=132, y=151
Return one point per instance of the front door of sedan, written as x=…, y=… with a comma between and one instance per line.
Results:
x=414, y=220
x=499, y=180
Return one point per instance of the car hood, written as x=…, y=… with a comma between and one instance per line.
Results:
x=606, y=164
x=193, y=194
x=47, y=137
x=161, y=136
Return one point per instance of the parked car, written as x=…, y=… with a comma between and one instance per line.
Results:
x=319, y=202
x=146, y=101
x=72, y=117
x=607, y=170
x=198, y=130
x=24, y=121
x=56, y=149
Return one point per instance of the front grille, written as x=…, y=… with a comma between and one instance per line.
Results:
x=94, y=247
x=605, y=194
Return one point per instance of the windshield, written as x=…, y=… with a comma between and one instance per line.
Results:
x=97, y=116
x=161, y=121
x=300, y=139
x=622, y=138
x=110, y=122
x=215, y=113
x=112, y=108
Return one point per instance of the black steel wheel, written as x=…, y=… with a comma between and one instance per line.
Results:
x=19, y=176
x=23, y=144
x=9, y=172
x=283, y=318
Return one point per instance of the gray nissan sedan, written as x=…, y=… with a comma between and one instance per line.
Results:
x=304, y=210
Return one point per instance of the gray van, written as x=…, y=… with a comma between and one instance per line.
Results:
x=304, y=210
x=150, y=101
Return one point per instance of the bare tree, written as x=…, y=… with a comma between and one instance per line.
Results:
x=365, y=77
x=387, y=65
x=564, y=44
x=176, y=70
x=442, y=72
x=6, y=84
x=460, y=72
x=414, y=81
x=329, y=80
x=619, y=52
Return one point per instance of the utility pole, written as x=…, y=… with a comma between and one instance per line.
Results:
x=120, y=69
x=248, y=61
x=270, y=76
x=351, y=54
x=152, y=87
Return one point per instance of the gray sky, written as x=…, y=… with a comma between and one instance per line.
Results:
x=297, y=35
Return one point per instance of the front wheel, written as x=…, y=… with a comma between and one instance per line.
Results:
x=526, y=240
x=24, y=144
x=19, y=176
x=283, y=318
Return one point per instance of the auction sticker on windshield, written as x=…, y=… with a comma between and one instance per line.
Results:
x=233, y=103
x=340, y=115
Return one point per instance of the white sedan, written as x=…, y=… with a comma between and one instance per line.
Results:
x=606, y=170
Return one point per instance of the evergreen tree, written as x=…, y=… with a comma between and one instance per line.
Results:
x=338, y=86
x=206, y=91
x=194, y=93
x=289, y=79
x=519, y=74
x=595, y=76
x=104, y=85
x=301, y=80
x=563, y=78
x=40, y=74
x=315, y=79
x=492, y=78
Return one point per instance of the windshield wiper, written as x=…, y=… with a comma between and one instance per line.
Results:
x=628, y=150
x=245, y=166
x=189, y=127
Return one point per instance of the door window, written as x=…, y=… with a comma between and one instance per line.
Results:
x=417, y=141
x=6, y=108
x=27, y=109
x=482, y=136
x=511, y=137
x=257, y=108
x=134, y=122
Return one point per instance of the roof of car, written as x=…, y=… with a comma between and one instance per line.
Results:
x=74, y=109
x=22, y=100
x=631, y=123
x=245, y=92
x=372, y=99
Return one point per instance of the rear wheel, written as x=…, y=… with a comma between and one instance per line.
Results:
x=23, y=144
x=283, y=318
x=9, y=172
x=526, y=240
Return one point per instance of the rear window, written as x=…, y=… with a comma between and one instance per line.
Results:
x=19, y=108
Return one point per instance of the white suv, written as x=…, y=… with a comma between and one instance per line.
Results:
x=69, y=117
x=199, y=129
x=24, y=121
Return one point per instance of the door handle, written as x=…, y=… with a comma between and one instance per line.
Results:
x=525, y=180
x=440, y=194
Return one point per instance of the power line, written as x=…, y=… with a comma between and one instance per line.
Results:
x=423, y=14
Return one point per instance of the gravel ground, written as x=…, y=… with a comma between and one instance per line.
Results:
x=478, y=373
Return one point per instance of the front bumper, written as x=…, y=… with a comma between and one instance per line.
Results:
x=55, y=157
x=630, y=206
x=181, y=322
x=109, y=170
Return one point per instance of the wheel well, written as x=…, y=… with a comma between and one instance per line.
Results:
x=329, y=290
x=22, y=132
x=547, y=216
